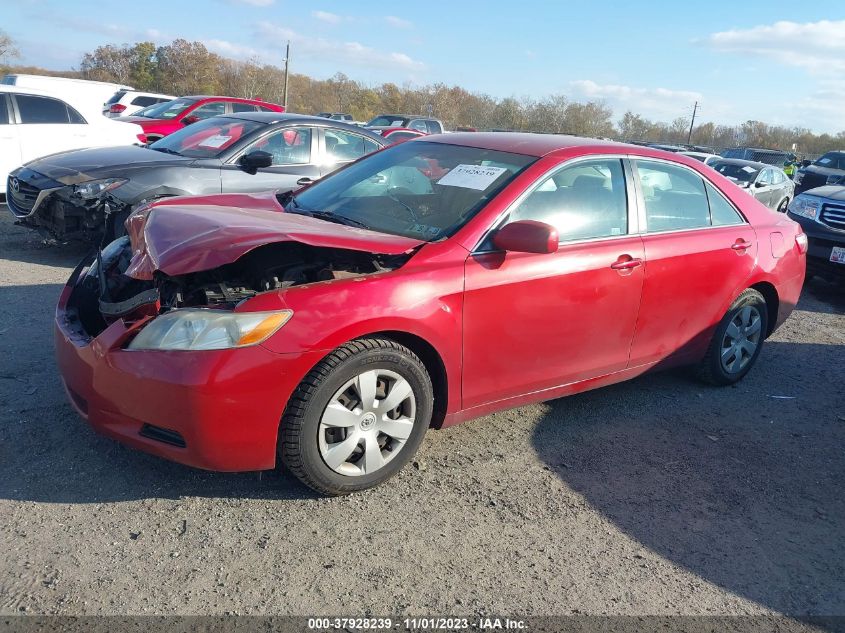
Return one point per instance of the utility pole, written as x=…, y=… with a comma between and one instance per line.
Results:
x=287, y=67
x=689, y=136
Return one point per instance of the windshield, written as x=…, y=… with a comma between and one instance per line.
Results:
x=166, y=110
x=424, y=191
x=389, y=120
x=208, y=138
x=832, y=160
x=741, y=173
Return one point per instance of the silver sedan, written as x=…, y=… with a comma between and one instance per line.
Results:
x=769, y=184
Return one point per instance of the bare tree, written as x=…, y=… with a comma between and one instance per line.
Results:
x=8, y=48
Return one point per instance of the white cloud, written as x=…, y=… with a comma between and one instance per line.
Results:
x=816, y=46
x=325, y=50
x=325, y=16
x=398, y=23
x=238, y=51
x=657, y=103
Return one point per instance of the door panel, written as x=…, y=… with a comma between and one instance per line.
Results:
x=689, y=276
x=532, y=322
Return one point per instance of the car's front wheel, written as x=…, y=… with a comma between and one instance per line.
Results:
x=783, y=206
x=357, y=418
x=737, y=341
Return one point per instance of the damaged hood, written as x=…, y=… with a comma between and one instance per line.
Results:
x=189, y=234
x=73, y=167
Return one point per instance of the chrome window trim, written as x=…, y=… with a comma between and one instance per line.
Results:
x=632, y=201
x=643, y=220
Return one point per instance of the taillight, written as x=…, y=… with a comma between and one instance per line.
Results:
x=117, y=108
x=142, y=138
x=801, y=240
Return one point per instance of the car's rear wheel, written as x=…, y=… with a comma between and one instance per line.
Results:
x=784, y=204
x=737, y=341
x=357, y=418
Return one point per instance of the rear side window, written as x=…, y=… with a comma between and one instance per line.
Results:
x=144, y=101
x=675, y=198
x=582, y=201
x=208, y=110
x=117, y=96
x=722, y=212
x=35, y=109
x=243, y=107
x=434, y=127
x=342, y=146
x=419, y=126
x=4, y=110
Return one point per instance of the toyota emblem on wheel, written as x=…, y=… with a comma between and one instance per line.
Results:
x=16, y=185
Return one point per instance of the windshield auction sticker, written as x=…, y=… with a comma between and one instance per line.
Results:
x=471, y=177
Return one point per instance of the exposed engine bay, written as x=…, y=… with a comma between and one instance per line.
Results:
x=105, y=293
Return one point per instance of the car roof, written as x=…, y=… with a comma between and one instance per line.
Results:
x=528, y=143
x=744, y=163
x=201, y=97
x=86, y=107
x=286, y=117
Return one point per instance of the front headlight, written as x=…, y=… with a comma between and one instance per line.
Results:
x=806, y=206
x=204, y=329
x=95, y=188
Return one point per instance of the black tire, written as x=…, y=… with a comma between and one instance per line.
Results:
x=784, y=205
x=299, y=449
x=712, y=369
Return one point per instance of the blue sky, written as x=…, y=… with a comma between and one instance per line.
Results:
x=779, y=62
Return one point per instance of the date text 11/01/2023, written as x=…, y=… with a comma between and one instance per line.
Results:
x=417, y=624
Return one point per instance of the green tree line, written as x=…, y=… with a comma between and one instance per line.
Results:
x=184, y=68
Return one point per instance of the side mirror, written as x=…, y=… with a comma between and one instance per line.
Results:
x=759, y=184
x=256, y=160
x=191, y=118
x=527, y=236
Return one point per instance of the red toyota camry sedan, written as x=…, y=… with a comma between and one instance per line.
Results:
x=435, y=281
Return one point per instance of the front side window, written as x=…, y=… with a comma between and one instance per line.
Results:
x=674, y=197
x=290, y=146
x=206, y=139
x=168, y=109
x=425, y=191
x=582, y=201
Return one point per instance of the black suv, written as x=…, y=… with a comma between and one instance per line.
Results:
x=821, y=213
x=827, y=170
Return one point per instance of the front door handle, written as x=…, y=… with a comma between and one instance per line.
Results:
x=741, y=245
x=305, y=181
x=626, y=262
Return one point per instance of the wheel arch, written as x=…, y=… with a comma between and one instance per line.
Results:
x=770, y=294
x=434, y=365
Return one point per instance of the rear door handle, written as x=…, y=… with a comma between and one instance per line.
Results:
x=626, y=262
x=741, y=245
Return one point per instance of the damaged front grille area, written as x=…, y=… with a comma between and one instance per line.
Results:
x=104, y=293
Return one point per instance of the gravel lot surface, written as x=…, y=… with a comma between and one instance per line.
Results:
x=658, y=496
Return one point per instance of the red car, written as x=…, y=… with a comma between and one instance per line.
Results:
x=397, y=134
x=421, y=286
x=165, y=118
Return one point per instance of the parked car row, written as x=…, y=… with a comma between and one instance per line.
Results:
x=70, y=195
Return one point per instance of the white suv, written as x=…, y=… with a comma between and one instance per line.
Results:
x=128, y=102
x=35, y=123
